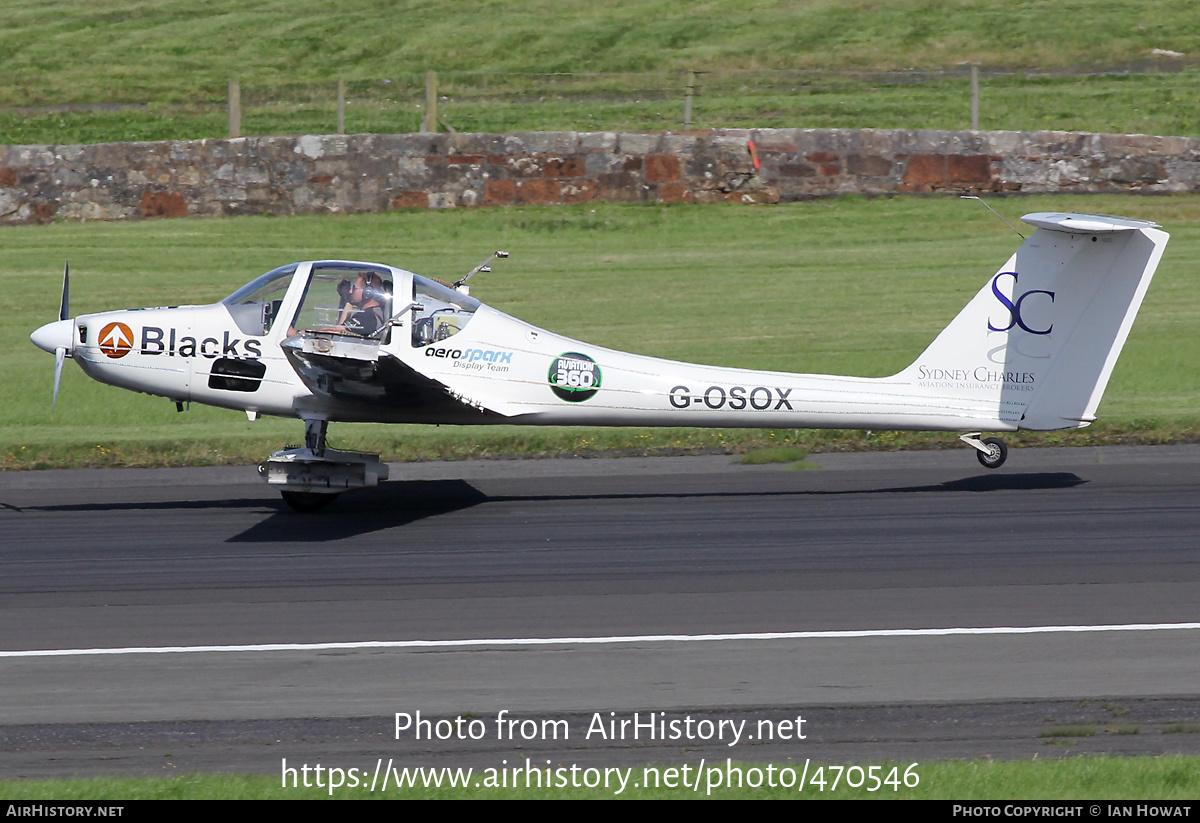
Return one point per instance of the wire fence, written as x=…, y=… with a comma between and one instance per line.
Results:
x=1150, y=99
x=476, y=101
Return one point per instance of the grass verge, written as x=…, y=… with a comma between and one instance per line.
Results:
x=568, y=64
x=1075, y=778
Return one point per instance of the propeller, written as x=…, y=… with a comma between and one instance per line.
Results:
x=60, y=352
x=58, y=337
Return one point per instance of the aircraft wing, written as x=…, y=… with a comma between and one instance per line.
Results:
x=363, y=382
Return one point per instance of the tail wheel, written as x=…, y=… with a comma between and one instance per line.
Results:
x=307, y=501
x=996, y=453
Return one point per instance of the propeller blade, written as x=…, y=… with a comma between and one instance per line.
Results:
x=63, y=312
x=59, y=356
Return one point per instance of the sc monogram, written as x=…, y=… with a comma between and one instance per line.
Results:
x=1014, y=306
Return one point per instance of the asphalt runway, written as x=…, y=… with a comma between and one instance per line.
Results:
x=1055, y=595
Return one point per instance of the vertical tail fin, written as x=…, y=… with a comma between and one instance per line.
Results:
x=1037, y=344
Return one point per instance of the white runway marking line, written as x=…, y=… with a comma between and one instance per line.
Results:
x=601, y=641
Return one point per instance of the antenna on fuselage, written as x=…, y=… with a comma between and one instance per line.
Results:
x=993, y=211
x=461, y=285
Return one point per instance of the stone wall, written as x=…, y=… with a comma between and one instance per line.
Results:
x=374, y=172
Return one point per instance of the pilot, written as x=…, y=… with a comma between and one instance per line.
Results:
x=365, y=302
x=368, y=293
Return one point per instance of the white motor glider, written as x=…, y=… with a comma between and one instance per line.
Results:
x=348, y=341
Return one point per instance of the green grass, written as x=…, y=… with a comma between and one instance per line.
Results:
x=774, y=454
x=1075, y=778
x=1069, y=731
x=848, y=286
x=568, y=64
x=1122, y=728
x=1146, y=103
x=174, y=51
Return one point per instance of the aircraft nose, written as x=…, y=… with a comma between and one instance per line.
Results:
x=56, y=335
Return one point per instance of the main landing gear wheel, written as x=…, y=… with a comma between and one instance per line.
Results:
x=996, y=453
x=307, y=501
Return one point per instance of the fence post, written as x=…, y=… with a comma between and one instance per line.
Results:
x=341, y=106
x=974, y=97
x=235, y=108
x=687, y=99
x=431, y=116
